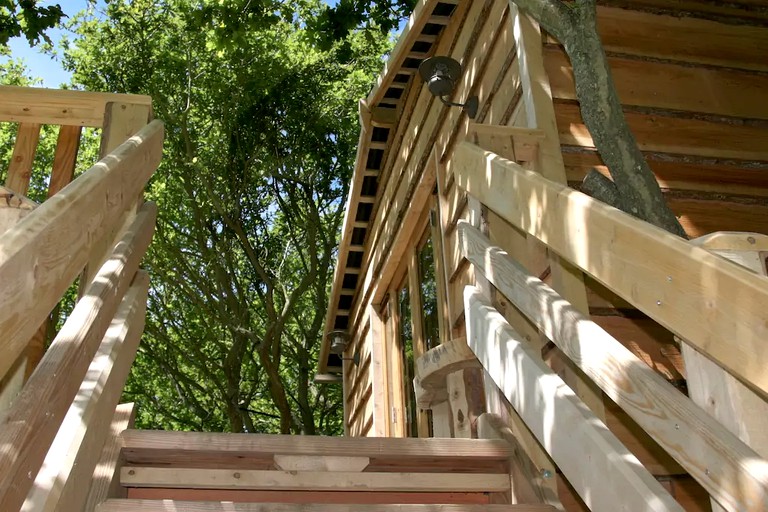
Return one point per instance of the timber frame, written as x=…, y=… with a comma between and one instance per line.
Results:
x=573, y=328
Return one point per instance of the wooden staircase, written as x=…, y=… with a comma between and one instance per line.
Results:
x=180, y=471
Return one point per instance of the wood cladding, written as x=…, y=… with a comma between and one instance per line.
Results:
x=693, y=91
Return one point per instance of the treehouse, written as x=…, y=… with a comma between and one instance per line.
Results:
x=504, y=341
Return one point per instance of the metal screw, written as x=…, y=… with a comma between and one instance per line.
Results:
x=669, y=278
x=658, y=303
x=236, y=475
x=677, y=427
x=131, y=472
x=706, y=471
x=546, y=473
x=751, y=239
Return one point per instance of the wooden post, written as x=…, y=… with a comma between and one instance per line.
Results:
x=121, y=121
x=20, y=169
x=730, y=402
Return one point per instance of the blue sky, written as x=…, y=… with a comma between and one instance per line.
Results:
x=39, y=64
x=43, y=66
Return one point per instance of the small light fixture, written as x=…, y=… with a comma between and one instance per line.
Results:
x=339, y=341
x=441, y=75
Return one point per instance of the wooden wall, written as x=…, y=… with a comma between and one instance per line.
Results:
x=692, y=82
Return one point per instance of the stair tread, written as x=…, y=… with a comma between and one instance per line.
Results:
x=203, y=449
x=138, y=505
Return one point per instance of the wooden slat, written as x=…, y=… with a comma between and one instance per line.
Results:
x=436, y=364
x=219, y=506
x=561, y=422
x=311, y=480
x=712, y=303
x=685, y=173
x=64, y=158
x=146, y=447
x=31, y=423
x=105, y=482
x=682, y=38
x=677, y=135
x=717, y=91
x=41, y=256
x=725, y=466
x=59, y=107
x=65, y=477
x=20, y=167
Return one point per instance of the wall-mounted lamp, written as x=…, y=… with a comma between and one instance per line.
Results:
x=339, y=341
x=441, y=75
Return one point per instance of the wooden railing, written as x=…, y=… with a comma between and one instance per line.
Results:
x=716, y=307
x=96, y=228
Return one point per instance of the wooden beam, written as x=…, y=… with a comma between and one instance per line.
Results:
x=20, y=168
x=33, y=420
x=712, y=303
x=60, y=107
x=559, y=420
x=66, y=475
x=105, y=481
x=41, y=256
x=698, y=442
x=330, y=463
x=136, y=476
x=65, y=158
x=138, y=505
x=147, y=447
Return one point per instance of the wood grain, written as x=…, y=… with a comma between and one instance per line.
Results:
x=31, y=423
x=43, y=254
x=698, y=442
x=560, y=421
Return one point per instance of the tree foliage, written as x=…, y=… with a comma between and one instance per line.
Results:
x=261, y=131
x=27, y=18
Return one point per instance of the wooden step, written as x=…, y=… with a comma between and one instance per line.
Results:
x=145, y=448
x=211, y=506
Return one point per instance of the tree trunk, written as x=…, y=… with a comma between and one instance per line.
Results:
x=575, y=25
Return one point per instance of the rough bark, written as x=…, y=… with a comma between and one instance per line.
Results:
x=602, y=188
x=575, y=26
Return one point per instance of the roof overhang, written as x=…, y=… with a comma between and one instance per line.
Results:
x=380, y=115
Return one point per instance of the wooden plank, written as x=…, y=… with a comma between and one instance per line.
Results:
x=121, y=122
x=736, y=407
x=330, y=463
x=146, y=447
x=693, y=438
x=136, y=505
x=541, y=114
x=721, y=314
x=31, y=423
x=64, y=158
x=60, y=107
x=458, y=399
x=686, y=173
x=664, y=85
x=379, y=371
x=33, y=268
x=20, y=167
x=681, y=38
x=311, y=480
x=559, y=420
x=679, y=135
x=105, y=481
x=65, y=476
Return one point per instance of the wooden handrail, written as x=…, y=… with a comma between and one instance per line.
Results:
x=563, y=424
x=728, y=469
x=715, y=305
x=31, y=423
x=42, y=255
